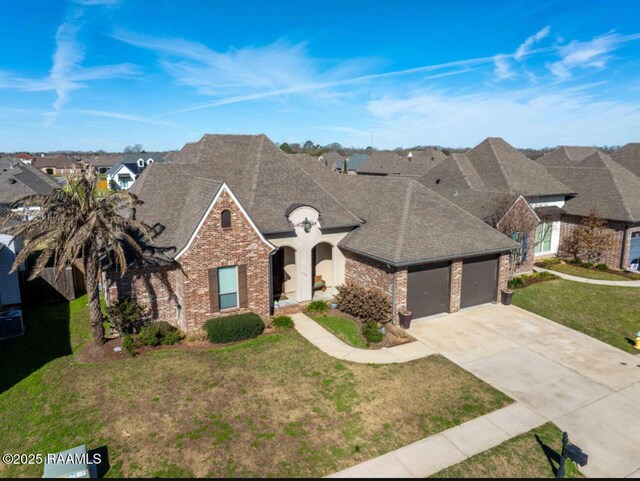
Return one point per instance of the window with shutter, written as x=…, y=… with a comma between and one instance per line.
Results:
x=228, y=287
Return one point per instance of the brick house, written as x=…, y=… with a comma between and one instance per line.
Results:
x=606, y=186
x=482, y=179
x=242, y=226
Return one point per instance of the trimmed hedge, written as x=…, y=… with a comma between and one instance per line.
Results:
x=234, y=328
x=367, y=304
x=371, y=332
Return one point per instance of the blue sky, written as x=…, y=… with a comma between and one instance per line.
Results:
x=102, y=74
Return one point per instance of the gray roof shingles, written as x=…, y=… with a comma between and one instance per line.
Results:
x=391, y=163
x=629, y=157
x=18, y=179
x=396, y=220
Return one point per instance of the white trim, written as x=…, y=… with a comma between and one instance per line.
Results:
x=223, y=188
x=514, y=204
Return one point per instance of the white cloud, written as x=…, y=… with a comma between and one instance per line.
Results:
x=503, y=68
x=525, y=118
x=594, y=54
x=525, y=48
x=124, y=116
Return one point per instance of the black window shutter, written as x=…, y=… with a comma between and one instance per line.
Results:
x=242, y=285
x=214, y=304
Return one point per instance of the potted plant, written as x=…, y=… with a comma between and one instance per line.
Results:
x=507, y=295
x=405, y=317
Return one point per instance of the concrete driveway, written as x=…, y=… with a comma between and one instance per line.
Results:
x=586, y=387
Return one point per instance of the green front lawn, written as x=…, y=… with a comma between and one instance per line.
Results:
x=535, y=454
x=343, y=328
x=610, y=314
x=271, y=406
x=588, y=273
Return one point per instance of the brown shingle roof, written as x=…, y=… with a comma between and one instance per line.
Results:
x=406, y=223
x=266, y=181
x=629, y=157
x=416, y=164
x=18, y=179
x=603, y=186
x=565, y=156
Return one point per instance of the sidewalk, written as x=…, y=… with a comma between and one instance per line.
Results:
x=331, y=345
x=589, y=281
x=437, y=452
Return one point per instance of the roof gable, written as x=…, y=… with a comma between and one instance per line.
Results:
x=629, y=157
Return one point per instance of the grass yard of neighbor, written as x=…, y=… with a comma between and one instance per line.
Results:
x=270, y=406
x=535, y=454
x=345, y=329
x=608, y=313
x=588, y=273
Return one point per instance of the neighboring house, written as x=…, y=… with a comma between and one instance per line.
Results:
x=353, y=164
x=16, y=180
x=57, y=165
x=608, y=189
x=101, y=162
x=481, y=178
x=414, y=164
x=26, y=158
x=245, y=227
x=124, y=174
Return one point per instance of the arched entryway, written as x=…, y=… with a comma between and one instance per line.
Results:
x=285, y=277
x=322, y=263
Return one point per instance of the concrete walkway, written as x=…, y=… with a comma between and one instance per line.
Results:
x=331, y=345
x=589, y=281
x=432, y=454
x=586, y=387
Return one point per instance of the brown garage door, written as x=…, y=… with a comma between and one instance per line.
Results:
x=479, y=280
x=428, y=289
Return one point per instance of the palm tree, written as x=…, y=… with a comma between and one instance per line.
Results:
x=73, y=222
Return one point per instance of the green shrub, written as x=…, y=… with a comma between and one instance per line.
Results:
x=282, y=322
x=587, y=265
x=234, y=328
x=601, y=267
x=159, y=332
x=552, y=261
x=515, y=283
x=129, y=345
x=317, y=306
x=364, y=303
x=371, y=332
x=575, y=261
x=543, y=275
x=127, y=316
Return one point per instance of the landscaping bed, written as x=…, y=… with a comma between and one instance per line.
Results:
x=535, y=454
x=608, y=313
x=525, y=280
x=349, y=329
x=269, y=406
x=575, y=267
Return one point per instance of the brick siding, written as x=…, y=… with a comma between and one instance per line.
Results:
x=213, y=247
x=504, y=264
x=455, y=289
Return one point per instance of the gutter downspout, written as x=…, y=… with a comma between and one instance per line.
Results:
x=271, y=309
x=393, y=298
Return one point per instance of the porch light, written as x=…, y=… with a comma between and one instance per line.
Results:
x=306, y=224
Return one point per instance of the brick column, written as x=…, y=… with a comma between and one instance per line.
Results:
x=455, y=289
x=503, y=274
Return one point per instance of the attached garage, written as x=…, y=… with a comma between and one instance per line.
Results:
x=428, y=289
x=479, y=280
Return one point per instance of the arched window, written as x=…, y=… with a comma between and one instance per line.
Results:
x=226, y=219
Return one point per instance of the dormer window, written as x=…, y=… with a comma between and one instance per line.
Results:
x=225, y=219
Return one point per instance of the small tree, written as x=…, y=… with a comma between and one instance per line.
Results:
x=591, y=239
x=345, y=169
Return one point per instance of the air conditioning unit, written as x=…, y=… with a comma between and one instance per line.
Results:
x=11, y=324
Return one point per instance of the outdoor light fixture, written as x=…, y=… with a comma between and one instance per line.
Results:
x=306, y=225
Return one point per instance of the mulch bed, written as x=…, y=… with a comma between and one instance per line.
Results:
x=93, y=353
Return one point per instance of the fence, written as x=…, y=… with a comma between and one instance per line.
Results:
x=46, y=289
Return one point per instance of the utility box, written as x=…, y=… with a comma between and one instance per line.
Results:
x=72, y=463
